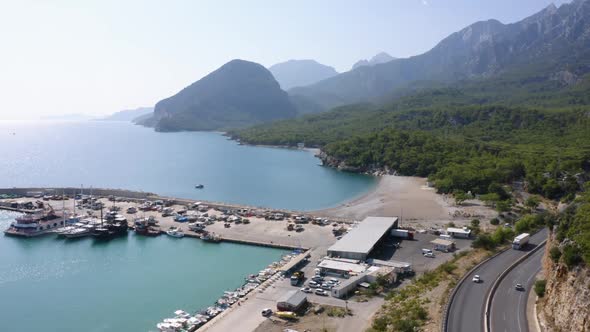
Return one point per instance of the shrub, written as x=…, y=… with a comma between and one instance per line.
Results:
x=495, y=221
x=555, y=254
x=571, y=255
x=540, y=287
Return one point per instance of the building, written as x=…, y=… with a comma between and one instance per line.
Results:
x=443, y=245
x=361, y=240
x=344, y=288
x=346, y=269
x=386, y=272
x=398, y=267
x=459, y=232
x=292, y=301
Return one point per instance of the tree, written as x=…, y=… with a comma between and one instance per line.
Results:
x=540, y=286
x=532, y=202
x=460, y=197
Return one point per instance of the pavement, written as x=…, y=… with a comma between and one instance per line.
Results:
x=467, y=310
x=509, y=307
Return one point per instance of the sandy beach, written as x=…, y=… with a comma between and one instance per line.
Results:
x=410, y=198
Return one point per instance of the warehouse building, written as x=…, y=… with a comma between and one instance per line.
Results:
x=292, y=301
x=361, y=240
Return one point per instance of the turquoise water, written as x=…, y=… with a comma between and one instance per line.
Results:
x=122, y=155
x=127, y=284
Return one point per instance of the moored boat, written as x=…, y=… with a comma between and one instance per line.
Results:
x=175, y=232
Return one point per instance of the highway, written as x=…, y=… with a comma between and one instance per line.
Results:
x=508, y=310
x=467, y=310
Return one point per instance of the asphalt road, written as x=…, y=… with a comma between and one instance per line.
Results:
x=508, y=310
x=467, y=310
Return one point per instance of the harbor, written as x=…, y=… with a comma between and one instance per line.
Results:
x=337, y=254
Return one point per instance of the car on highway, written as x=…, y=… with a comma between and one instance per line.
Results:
x=476, y=279
x=321, y=292
x=429, y=255
x=306, y=290
x=519, y=287
x=266, y=312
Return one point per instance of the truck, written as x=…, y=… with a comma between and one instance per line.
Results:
x=403, y=233
x=521, y=241
x=297, y=277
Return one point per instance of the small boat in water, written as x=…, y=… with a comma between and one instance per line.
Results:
x=199, y=186
x=175, y=232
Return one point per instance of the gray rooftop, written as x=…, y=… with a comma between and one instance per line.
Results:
x=365, y=235
x=294, y=297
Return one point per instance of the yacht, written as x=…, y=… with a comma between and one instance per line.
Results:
x=175, y=232
x=82, y=231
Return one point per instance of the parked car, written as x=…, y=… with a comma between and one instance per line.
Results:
x=321, y=292
x=429, y=255
x=306, y=290
x=476, y=279
x=317, y=278
x=313, y=284
x=327, y=286
x=266, y=312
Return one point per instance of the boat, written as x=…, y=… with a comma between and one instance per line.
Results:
x=211, y=237
x=63, y=230
x=175, y=232
x=199, y=186
x=36, y=222
x=82, y=231
x=112, y=225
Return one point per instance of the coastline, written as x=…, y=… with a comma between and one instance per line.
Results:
x=418, y=205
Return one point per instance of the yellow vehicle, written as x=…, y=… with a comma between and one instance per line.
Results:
x=286, y=314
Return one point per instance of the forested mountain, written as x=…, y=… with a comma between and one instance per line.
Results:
x=557, y=37
x=377, y=59
x=295, y=73
x=238, y=94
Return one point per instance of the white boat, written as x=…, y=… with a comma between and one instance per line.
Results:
x=175, y=232
x=63, y=230
x=85, y=230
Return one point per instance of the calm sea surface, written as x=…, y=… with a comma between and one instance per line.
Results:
x=126, y=284
x=122, y=155
x=129, y=284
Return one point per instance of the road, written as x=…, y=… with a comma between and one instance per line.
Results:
x=508, y=310
x=467, y=310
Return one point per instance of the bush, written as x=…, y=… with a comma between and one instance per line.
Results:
x=555, y=254
x=540, y=287
x=571, y=255
x=495, y=221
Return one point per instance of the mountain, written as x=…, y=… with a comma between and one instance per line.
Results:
x=128, y=115
x=295, y=73
x=555, y=40
x=238, y=94
x=377, y=59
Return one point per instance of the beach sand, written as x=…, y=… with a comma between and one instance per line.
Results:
x=411, y=199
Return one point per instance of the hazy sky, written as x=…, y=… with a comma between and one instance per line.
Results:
x=98, y=57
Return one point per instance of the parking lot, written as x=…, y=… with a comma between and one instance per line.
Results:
x=410, y=251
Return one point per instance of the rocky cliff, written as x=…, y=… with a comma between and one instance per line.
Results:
x=566, y=304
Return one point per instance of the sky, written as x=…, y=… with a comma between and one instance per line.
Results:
x=97, y=57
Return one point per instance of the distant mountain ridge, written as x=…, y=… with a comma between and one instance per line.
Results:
x=128, y=115
x=555, y=39
x=238, y=94
x=377, y=59
x=295, y=73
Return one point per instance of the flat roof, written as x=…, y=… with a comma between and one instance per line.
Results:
x=341, y=266
x=364, y=236
x=396, y=264
x=442, y=242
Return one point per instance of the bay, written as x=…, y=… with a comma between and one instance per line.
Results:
x=123, y=155
x=126, y=284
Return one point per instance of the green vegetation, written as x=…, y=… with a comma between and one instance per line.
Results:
x=573, y=232
x=336, y=312
x=458, y=137
x=540, y=287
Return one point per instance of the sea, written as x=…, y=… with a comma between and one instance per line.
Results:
x=131, y=283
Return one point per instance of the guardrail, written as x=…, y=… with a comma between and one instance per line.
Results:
x=487, y=326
